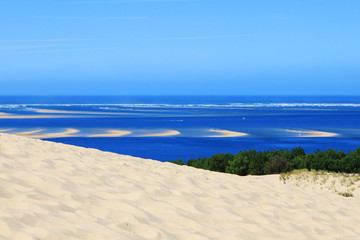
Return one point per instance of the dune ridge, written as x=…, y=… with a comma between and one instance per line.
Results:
x=56, y=191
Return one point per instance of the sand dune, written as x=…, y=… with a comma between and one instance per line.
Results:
x=312, y=133
x=111, y=133
x=226, y=133
x=163, y=134
x=56, y=191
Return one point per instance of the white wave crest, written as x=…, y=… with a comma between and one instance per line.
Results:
x=121, y=106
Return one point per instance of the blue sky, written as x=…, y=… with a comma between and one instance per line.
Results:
x=164, y=47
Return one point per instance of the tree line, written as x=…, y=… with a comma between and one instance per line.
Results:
x=278, y=161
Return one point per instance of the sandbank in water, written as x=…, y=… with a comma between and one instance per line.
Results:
x=226, y=133
x=163, y=134
x=69, y=132
x=111, y=133
x=312, y=133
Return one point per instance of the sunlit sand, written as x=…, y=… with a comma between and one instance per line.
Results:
x=57, y=191
x=6, y=130
x=312, y=133
x=69, y=132
x=163, y=134
x=111, y=133
x=226, y=133
x=28, y=133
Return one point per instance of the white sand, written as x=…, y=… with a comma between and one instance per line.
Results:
x=56, y=191
x=111, y=133
x=69, y=132
x=162, y=134
x=226, y=133
x=28, y=133
x=316, y=180
x=312, y=133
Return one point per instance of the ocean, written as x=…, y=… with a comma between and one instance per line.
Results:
x=183, y=127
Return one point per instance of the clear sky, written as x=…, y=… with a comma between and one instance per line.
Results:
x=146, y=47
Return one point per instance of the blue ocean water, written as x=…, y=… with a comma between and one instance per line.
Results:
x=266, y=120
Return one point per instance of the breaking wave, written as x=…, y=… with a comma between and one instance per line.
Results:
x=114, y=107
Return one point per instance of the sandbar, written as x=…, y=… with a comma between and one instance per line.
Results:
x=73, y=112
x=57, y=191
x=28, y=133
x=69, y=132
x=226, y=133
x=37, y=116
x=6, y=130
x=312, y=133
x=163, y=134
x=111, y=133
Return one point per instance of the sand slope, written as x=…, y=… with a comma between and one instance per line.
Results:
x=57, y=191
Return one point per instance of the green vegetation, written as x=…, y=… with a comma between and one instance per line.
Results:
x=342, y=183
x=346, y=194
x=278, y=161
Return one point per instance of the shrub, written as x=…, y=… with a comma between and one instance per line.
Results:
x=178, y=162
x=346, y=194
x=278, y=164
x=239, y=165
x=219, y=162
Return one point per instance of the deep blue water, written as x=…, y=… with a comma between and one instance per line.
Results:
x=264, y=118
x=174, y=148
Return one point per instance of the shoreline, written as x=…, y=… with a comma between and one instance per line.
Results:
x=59, y=191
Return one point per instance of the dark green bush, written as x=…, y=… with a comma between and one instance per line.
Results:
x=178, y=162
x=278, y=164
x=278, y=161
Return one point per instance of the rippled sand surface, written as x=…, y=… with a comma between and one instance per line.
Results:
x=56, y=191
